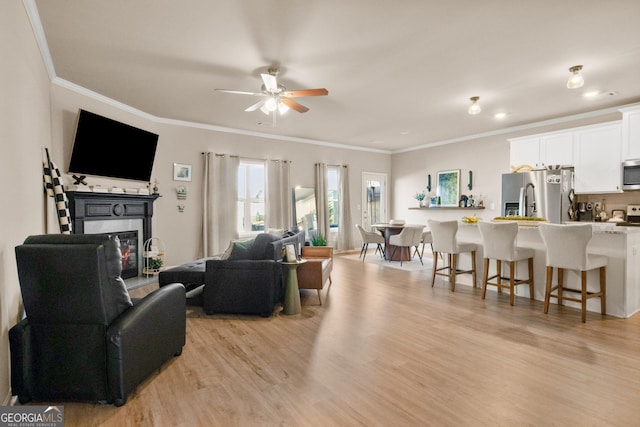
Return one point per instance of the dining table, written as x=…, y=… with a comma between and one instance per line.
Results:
x=390, y=251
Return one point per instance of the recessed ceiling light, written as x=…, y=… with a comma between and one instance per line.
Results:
x=591, y=94
x=500, y=116
x=404, y=132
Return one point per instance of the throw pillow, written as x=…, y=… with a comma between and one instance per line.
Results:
x=276, y=231
x=241, y=248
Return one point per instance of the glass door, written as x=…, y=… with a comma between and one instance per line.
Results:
x=374, y=199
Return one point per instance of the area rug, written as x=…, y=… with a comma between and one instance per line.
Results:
x=413, y=265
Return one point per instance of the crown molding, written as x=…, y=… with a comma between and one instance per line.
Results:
x=535, y=125
x=41, y=39
x=124, y=107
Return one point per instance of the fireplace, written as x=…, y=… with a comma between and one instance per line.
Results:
x=117, y=214
x=129, y=247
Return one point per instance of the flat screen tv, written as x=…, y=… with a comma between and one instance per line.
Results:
x=106, y=147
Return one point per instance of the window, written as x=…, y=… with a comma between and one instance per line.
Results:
x=332, y=196
x=251, y=205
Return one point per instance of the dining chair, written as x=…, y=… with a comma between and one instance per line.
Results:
x=370, y=237
x=566, y=247
x=444, y=234
x=499, y=244
x=425, y=239
x=408, y=238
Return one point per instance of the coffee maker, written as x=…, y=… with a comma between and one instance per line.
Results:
x=585, y=211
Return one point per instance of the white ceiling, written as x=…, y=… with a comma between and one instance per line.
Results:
x=399, y=73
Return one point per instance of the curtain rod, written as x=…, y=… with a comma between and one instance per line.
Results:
x=336, y=166
x=242, y=157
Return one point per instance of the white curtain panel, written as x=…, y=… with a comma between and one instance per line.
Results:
x=278, y=200
x=345, y=235
x=220, y=205
x=322, y=207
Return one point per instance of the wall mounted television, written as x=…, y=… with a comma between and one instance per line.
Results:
x=106, y=147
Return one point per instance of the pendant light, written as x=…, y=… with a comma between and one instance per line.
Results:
x=474, y=108
x=575, y=80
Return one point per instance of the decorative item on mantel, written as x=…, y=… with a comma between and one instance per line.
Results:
x=420, y=198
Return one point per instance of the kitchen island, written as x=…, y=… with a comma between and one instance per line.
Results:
x=620, y=244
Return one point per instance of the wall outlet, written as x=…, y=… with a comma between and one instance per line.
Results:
x=596, y=206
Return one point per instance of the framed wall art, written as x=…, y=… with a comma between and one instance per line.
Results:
x=449, y=187
x=181, y=172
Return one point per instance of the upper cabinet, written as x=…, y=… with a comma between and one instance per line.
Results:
x=556, y=149
x=542, y=150
x=597, y=158
x=595, y=151
x=525, y=151
x=631, y=133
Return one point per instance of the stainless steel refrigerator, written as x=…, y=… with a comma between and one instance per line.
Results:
x=543, y=194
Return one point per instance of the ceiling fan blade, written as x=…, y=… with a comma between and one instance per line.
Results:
x=240, y=92
x=255, y=106
x=270, y=83
x=294, y=105
x=306, y=92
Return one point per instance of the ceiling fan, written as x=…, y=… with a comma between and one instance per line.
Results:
x=275, y=97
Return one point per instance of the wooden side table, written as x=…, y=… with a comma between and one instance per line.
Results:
x=292, y=292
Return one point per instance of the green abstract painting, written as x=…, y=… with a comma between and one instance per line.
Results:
x=449, y=187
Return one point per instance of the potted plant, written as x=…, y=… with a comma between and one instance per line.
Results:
x=420, y=198
x=318, y=240
x=155, y=264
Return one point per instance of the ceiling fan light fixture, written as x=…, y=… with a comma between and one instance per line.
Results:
x=271, y=104
x=474, y=108
x=575, y=80
x=282, y=108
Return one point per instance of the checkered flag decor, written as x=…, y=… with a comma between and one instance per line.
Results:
x=54, y=188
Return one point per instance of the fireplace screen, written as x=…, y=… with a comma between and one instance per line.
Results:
x=129, y=249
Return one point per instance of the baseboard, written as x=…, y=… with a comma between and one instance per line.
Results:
x=9, y=400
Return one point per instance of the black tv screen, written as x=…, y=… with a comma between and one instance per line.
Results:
x=106, y=147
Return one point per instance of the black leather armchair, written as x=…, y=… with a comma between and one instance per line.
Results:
x=83, y=338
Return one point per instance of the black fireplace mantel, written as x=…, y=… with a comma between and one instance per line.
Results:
x=89, y=206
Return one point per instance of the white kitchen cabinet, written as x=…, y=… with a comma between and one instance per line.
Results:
x=597, y=158
x=525, y=151
x=631, y=133
x=556, y=149
x=539, y=151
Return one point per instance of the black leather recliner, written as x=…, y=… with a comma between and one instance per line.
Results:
x=83, y=338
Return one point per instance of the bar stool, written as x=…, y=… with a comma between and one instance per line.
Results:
x=567, y=249
x=444, y=235
x=499, y=243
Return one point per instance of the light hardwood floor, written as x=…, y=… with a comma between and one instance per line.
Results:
x=386, y=349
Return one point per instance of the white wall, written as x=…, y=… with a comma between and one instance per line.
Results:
x=180, y=232
x=24, y=132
